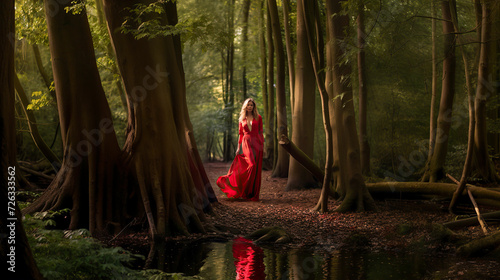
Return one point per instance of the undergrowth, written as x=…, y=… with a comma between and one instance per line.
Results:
x=74, y=254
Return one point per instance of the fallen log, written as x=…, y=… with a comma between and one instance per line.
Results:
x=476, y=208
x=492, y=216
x=301, y=157
x=480, y=246
x=483, y=196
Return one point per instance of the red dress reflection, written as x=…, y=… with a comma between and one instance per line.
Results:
x=249, y=260
x=244, y=176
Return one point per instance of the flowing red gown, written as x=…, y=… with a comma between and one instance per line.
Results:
x=244, y=176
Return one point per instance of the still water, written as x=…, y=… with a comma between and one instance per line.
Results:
x=241, y=259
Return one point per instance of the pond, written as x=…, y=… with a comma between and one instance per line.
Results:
x=242, y=259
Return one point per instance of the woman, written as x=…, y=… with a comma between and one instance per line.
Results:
x=243, y=178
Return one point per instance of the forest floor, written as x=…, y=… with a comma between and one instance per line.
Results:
x=399, y=225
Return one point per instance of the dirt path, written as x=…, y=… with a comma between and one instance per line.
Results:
x=292, y=211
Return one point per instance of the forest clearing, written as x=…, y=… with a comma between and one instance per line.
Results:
x=250, y=139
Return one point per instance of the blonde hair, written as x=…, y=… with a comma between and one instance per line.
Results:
x=243, y=112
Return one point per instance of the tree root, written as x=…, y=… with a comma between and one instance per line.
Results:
x=270, y=235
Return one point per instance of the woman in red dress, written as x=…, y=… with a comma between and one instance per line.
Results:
x=244, y=176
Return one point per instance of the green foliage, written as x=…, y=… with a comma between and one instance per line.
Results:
x=39, y=99
x=30, y=22
x=73, y=254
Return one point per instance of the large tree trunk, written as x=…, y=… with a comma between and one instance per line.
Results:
x=352, y=190
x=435, y=165
x=363, y=135
x=484, y=90
x=15, y=253
x=304, y=107
x=86, y=181
x=157, y=148
x=282, y=164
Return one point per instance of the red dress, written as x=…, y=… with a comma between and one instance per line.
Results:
x=244, y=176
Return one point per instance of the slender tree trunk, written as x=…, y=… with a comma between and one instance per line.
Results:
x=15, y=252
x=316, y=57
x=484, y=90
x=363, y=135
x=268, y=161
x=230, y=105
x=101, y=17
x=86, y=181
x=33, y=127
x=289, y=52
x=435, y=167
x=281, y=168
x=434, y=84
x=270, y=131
x=246, y=10
x=157, y=148
x=353, y=191
x=305, y=92
x=41, y=69
x=472, y=120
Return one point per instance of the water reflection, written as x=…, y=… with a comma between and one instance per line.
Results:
x=241, y=259
x=249, y=260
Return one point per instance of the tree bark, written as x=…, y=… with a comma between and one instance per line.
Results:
x=172, y=196
x=352, y=188
x=86, y=181
x=435, y=166
x=363, y=135
x=304, y=97
x=15, y=252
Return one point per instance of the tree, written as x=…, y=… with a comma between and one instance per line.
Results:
x=86, y=181
x=17, y=259
x=304, y=100
x=246, y=10
x=363, y=136
x=160, y=151
x=229, y=104
x=263, y=33
x=281, y=168
x=484, y=89
x=435, y=166
x=271, y=149
x=350, y=183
